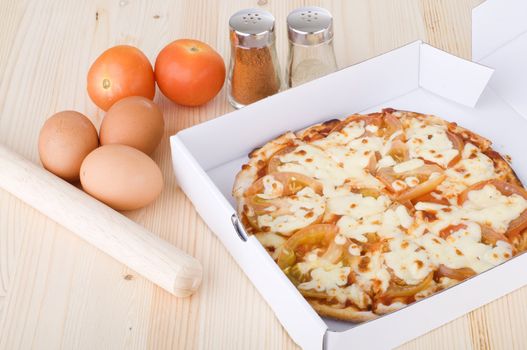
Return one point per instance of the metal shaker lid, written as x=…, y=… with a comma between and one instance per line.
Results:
x=252, y=28
x=310, y=25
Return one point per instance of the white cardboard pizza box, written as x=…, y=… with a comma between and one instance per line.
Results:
x=499, y=40
x=416, y=77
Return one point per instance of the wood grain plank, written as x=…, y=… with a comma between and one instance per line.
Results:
x=15, y=218
x=58, y=292
x=453, y=335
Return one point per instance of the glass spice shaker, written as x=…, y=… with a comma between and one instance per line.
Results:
x=254, y=72
x=311, y=53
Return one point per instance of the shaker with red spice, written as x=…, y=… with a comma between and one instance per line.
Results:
x=254, y=71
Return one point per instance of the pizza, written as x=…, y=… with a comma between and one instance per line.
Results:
x=368, y=214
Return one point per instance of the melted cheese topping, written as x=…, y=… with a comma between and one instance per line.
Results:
x=489, y=207
x=354, y=249
x=338, y=138
x=430, y=142
x=304, y=209
x=387, y=224
x=472, y=168
x=409, y=165
x=313, y=161
x=354, y=164
x=311, y=261
x=371, y=273
x=352, y=153
x=408, y=261
x=272, y=188
x=385, y=162
x=357, y=206
x=271, y=240
x=486, y=206
x=465, y=250
x=353, y=293
x=324, y=279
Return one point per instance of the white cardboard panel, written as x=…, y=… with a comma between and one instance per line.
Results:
x=495, y=23
x=499, y=40
x=510, y=79
x=206, y=177
x=451, y=77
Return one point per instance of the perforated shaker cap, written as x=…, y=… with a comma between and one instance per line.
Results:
x=310, y=25
x=252, y=28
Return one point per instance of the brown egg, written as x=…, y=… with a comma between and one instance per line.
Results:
x=121, y=176
x=133, y=121
x=65, y=140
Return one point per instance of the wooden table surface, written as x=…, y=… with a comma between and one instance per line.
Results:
x=58, y=292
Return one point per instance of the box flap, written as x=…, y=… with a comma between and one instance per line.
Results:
x=510, y=79
x=451, y=77
x=495, y=23
x=500, y=41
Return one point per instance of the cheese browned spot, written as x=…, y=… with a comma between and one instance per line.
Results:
x=372, y=273
x=489, y=207
x=472, y=168
x=390, y=223
x=272, y=242
x=357, y=206
x=408, y=261
x=352, y=293
x=342, y=137
x=272, y=188
x=429, y=141
x=322, y=168
x=486, y=206
x=326, y=278
x=306, y=201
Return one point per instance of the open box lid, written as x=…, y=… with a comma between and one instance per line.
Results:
x=207, y=156
x=499, y=40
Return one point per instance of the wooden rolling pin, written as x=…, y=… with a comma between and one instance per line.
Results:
x=99, y=225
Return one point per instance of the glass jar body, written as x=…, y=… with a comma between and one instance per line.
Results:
x=254, y=74
x=308, y=62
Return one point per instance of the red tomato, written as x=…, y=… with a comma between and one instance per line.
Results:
x=189, y=72
x=119, y=72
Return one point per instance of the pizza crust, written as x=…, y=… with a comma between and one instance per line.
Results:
x=349, y=313
x=317, y=131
